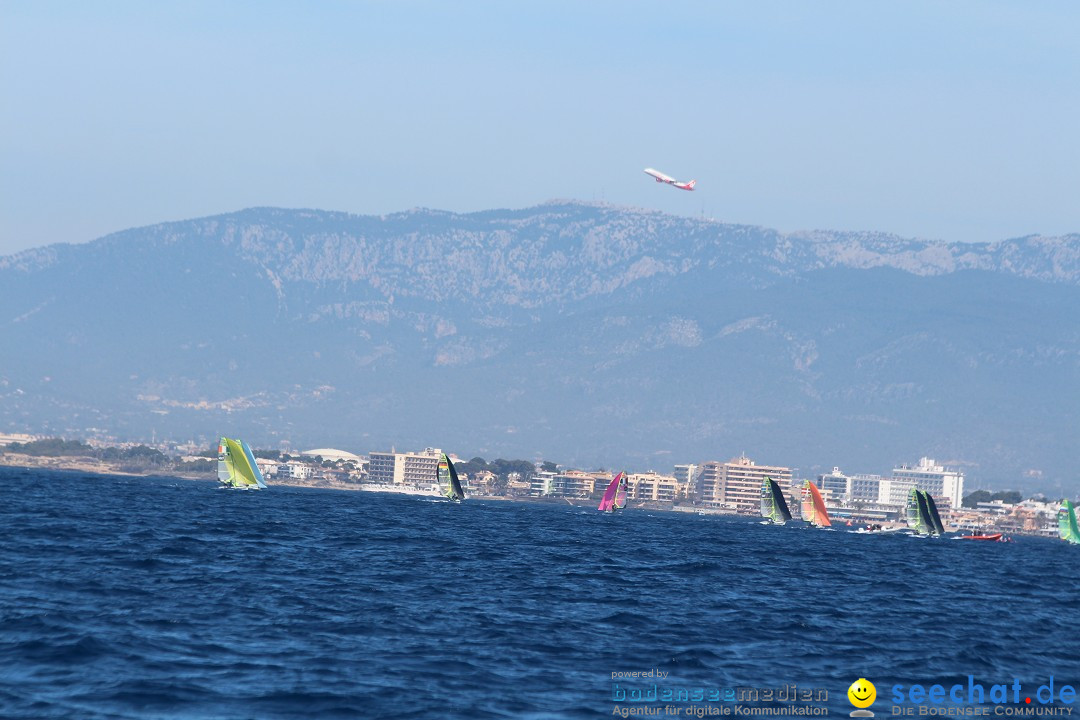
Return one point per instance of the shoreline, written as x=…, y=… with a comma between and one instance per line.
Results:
x=100, y=467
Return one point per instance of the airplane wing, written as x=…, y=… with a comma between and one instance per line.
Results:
x=660, y=177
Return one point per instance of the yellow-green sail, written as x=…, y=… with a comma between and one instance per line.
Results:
x=918, y=515
x=448, y=479
x=236, y=465
x=1067, y=523
x=773, y=505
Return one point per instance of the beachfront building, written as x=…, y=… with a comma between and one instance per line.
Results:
x=736, y=484
x=944, y=485
x=542, y=483
x=482, y=483
x=835, y=485
x=842, y=488
x=394, y=468
x=688, y=477
x=654, y=487
x=576, y=483
x=295, y=470
x=267, y=466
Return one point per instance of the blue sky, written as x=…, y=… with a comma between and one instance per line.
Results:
x=952, y=120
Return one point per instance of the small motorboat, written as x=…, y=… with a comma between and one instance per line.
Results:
x=991, y=537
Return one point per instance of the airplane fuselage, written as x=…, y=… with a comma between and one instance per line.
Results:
x=662, y=178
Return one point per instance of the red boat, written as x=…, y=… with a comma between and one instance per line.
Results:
x=994, y=537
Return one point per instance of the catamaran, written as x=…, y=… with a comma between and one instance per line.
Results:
x=236, y=466
x=1067, y=523
x=448, y=480
x=615, y=495
x=773, y=505
x=813, y=506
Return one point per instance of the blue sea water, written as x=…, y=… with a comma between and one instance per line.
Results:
x=164, y=598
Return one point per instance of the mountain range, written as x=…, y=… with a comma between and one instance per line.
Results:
x=585, y=333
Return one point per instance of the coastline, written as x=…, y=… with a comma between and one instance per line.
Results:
x=101, y=467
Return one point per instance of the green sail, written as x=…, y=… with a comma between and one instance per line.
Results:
x=917, y=514
x=1067, y=523
x=773, y=505
x=448, y=479
x=237, y=467
x=935, y=519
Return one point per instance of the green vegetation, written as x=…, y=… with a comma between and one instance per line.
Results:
x=1010, y=497
x=195, y=466
x=500, y=468
x=134, y=459
x=53, y=447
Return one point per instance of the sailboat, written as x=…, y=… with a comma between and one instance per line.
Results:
x=1067, y=523
x=918, y=514
x=813, y=506
x=773, y=505
x=935, y=518
x=236, y=466
x=615, y=495
x=448, y=480
x=922, y=513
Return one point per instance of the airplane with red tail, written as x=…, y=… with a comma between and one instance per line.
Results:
x=662, y=178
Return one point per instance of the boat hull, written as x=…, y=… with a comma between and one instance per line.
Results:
x=993, y=537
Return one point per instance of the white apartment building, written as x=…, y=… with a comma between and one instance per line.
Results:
x=943, y=484
x=653, y=486
x=542, y=483
x=393, y=468
x=295, y=470
x=736, y=484
x=686, y=476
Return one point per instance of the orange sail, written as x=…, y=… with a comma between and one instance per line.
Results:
x=813, y=506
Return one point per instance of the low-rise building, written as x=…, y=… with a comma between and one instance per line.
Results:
x=651, y=486
x=295, y=470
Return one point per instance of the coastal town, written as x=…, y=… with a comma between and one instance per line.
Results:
x=713, y=487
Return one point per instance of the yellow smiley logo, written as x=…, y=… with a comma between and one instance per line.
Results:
x=862, y=693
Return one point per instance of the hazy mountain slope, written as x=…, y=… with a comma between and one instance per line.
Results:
x=583, y=333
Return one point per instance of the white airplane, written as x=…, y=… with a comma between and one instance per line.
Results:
x=661, y=177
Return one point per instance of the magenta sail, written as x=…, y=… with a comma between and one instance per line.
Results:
x=615, y=495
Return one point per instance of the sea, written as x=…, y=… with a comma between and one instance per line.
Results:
x=132, y=597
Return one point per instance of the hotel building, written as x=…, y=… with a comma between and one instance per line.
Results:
x=736, y=484
x=944, y=485
x=653, y=486
x=394, y=468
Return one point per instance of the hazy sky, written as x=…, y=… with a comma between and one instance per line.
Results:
x=953, y=120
